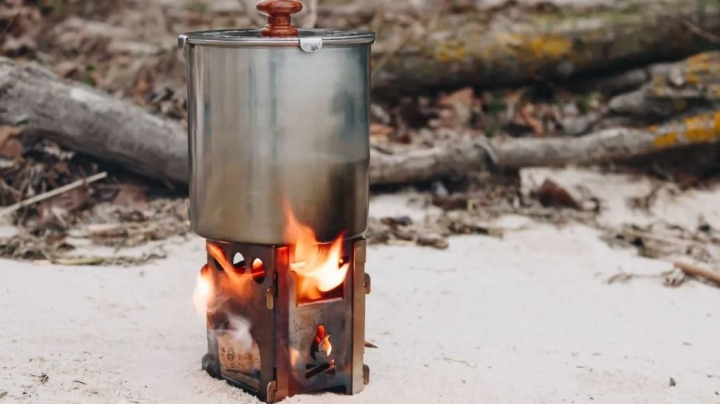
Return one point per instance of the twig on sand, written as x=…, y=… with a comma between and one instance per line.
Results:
x=54, y=192
x=666, y=239
x=705, y=34
x=9, y=25
x=697, y=271
x=79, y=261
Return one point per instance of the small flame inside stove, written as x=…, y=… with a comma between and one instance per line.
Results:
x=322, y=339
x=318, y=266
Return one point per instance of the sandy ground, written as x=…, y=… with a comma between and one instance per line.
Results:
x=526, y=319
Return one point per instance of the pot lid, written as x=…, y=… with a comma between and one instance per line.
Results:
x=279, y=31
x=253, y=37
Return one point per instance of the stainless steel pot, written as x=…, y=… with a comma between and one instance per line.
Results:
x=275, y=119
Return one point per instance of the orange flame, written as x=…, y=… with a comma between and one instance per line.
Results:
x=317, y=266
x=217, y=253
x=203, y=290
x=257, y=269
x=326, y=346
x=322, y=340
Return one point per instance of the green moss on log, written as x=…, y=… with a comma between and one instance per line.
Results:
x=473, y=48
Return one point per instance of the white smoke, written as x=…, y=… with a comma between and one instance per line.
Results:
x=239, y=332
x=237, y=350
x=241, y=350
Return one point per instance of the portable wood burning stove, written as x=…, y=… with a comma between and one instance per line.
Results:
x=279, y=156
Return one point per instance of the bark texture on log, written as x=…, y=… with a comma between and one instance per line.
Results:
x=418, y=165
x=615, y=144
x=431, y=49
x=608, y=145
x=690, y=85
x=113, y=130
x=439, y=44
x=655, y=93
x=90, y=121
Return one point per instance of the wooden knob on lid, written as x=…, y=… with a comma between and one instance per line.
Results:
x=278, y=12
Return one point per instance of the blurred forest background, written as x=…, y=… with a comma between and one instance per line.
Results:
x=466, y=96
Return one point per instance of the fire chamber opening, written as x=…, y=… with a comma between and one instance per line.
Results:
x=238, y=262
x=318, y=267
x=258, y=270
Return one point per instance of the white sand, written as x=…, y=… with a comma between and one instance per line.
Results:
x=527, y=319
x=684, y=209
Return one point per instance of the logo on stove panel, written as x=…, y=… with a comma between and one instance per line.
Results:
x=321, y=346
x=231, y=355
x=320, y=351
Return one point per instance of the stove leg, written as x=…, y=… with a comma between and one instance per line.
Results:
x=211, y=365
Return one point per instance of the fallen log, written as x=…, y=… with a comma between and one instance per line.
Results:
x=452, y=160
x=661, y=92
x=115, y=131
x=614, y=144
x=427, y=49
x=90, y=121
x=690, y=85
x=623, y=82
x=427, y=45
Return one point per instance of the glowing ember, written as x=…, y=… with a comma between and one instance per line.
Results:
x=317, y=266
